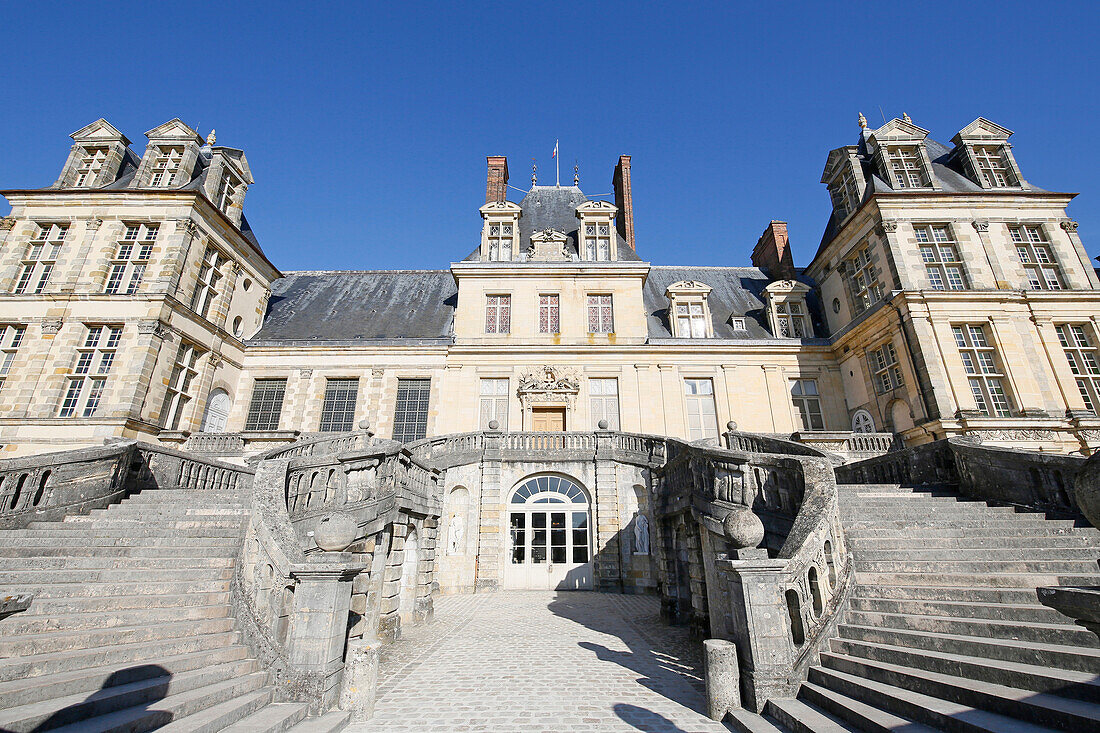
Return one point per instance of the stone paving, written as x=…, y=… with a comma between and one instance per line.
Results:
x=542, y=661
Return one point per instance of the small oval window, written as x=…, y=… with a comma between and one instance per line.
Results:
x=247, y=284
x=836, y=305
x=238, y=326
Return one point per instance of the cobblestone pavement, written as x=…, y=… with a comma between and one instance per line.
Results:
x=542, y=661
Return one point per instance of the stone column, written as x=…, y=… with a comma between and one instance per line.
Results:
x=491, y=518
x=137, y=376
x=176, y=245
x=722, y=678
x=606, y=559
x=1000, y=279
x=195, y=411
x=1091, y=280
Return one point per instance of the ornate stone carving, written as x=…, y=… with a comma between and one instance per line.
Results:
x=377, y=373
x=549, y=384
x=155, y=328
x=94, y=224
x=889, y=226
x=548, y=246
x=51, y=327
x=305, y=373
x=1011, y=435
x=1069, y=225
x=981, y=226
x=188, y=227
x=1089, y=435
x=6, y=223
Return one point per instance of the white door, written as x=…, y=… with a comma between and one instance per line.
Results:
x=549, y=536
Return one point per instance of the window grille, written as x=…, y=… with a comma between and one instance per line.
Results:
x=905, y=166
x=498, y=314
x=864, y=284
x=206, y=289
x=11, y=336
x=597, y=241
x=600, y=316
x=338, y=410
x=90, y=166
x=267, y=404
x=88, y=379
x=501, y=241
x=791, y=319
x=410, y=419
x=887, y=371
x=983, y=370
x=992, y=166
x=691, y=320
x=165, y=167
x=549, y=321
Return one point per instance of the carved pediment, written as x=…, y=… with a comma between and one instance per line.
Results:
x=547, y=381
x=174, y=130
x=896, y=131
x=687, y=287
x=982, y=130
x=592, y=207
x=548, y=246
x=99, y=131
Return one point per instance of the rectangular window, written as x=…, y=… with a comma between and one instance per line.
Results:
x=691, y=321
x=410, y=417
x=1035, y=254
x=90, y=166
x=11, y=337
x=267, y=404
x=806, y=400
x=498, y=313
x=604, y=401
x=600, y=317
x=702, y=416
x=206, y=289
x=88, y=377
x=165, y=167
x=548, y=314
x=40, y=259
x=940, y=254
x=864, y=284
x=992, y=167
x=228, y=187
x=887, y=371
x=791, y=319
x=131, y=258
x=844, y=193
x=983, y=369
x=1081, y=353
x=179, y=386
x=494, y=403
x=905, y=166
x=501, y=242
x=338, y=411
x=597, y=241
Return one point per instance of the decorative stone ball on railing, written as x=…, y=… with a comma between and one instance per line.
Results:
x=494, y=425
x=602, y=424
x=743, y=528
x=335, y=532
x=364, y=425
x=1086, y=489
x=731, y=426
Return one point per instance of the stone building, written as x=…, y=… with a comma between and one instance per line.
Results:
x=949, y=297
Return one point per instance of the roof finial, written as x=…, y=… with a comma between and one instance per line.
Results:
x=862, y=122
x=211, y=138
x=906, y=118
x=576, y=174
x=534, y=172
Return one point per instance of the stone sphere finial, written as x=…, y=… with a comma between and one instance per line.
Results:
x=364, y=424
x=602, y=424
x=731, y=426
x=743, y=528
x=335, y=532
x=494, y=425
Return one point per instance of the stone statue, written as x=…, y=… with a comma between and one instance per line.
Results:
x=458, y=533
x=641, y=535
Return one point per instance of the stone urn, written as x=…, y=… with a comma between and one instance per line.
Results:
x=743, y=528
x=1086, y=489
x=335, y=532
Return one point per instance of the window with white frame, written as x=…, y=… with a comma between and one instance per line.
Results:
x=905, y=166
x=807, y=401
x=887, y=370
x=549, y=318
x=498, y=313
x=11, y=336
x=866, y=289
x=338, y=409
x=165, y=167
x=226, y=189
x=501, y=241
x=844, y=193
x=940, y=253
x=597, y=241
x=90, y=166
x=992, y=167
x=266, y=406
x=1081, y=353
x=40, y=259
x=131, y=258
x=88, y=379
x=702, y=416
x=691, y=319
x=1035, y=254
x=603, y=394
x=600, y=316
x=983, y=369
x=207, y=286
x=494, y=403
x=179, y=385
x=790, y=317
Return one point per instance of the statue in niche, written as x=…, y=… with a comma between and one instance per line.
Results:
x=458, y=532
x=641, y=535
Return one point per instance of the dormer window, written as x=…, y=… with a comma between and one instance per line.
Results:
x=226, y=190
x=865, y=288
x=501, y=238
x=90, y=166
x=791, y=319
x=992, y=167
x=597, y=231
x=166, y=167
x=844, y=193
x=787, y=309
x=688, y=309
x=597, y=242
x=500, y=232
x=982, y=146
x=905, y=166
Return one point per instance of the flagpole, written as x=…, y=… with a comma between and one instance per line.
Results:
x=557, y=166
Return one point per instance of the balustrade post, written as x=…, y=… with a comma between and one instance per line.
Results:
x=607, y=560
x=491, y=516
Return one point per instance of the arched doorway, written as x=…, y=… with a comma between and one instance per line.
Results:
x=217, y=412
x=549, y=537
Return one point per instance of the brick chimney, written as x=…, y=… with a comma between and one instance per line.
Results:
x=772, y=253
x=496, y=185
x=624, y=200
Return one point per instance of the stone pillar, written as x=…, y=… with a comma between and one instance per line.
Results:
x=1000, y=279
x=389, y=601
x=491, y=518
x=318, y=630
x=177, y=248
x=360, y=684
x=722, y=677
x=138, y=374
x=1070, y=228
x=606, y=558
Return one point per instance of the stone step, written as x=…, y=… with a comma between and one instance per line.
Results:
x=943, y=593
x=977, y=566
x=744, y=721
x=11, y=541
x=203, y=710
x=944, y=508
x=112, y=603
x=29, y=690
x=960, y=609
x=1024, y=533
x=800, y=717
x=880, y=542
x=109, y=589
x=991, y=553
x=1044, y=633
x=974, y=580
x=229, y=550
x=1023, y=705
x=922, y=523
x=1064, y=682
x=923, y=709
x=47, y=576
x=274, y=718
x=1079, y=659
x=865, y=717
x=51, y=642
x=53, y=622
x=197, y=508
x=333, y=722
x=60, y=531
x=84, y=522
x=62, y=709
x=95, y=562
x=138, y=652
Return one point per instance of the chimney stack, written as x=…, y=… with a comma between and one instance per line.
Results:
x=496, y=185
x=772, y=253
x=624, y=201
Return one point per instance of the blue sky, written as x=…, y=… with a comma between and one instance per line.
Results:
x=367, y=125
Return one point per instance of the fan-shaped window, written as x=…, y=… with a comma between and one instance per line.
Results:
x=549, y=490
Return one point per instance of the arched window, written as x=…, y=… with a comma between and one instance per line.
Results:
x=549, y=490
x=217, y=412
